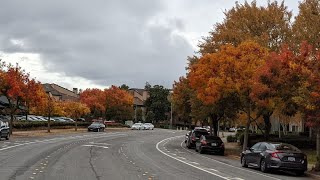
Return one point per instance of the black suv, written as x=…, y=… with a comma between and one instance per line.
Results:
x=194, y=136
x=4, y=130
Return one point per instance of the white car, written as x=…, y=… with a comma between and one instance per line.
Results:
x=148, y=126
x=137, y=126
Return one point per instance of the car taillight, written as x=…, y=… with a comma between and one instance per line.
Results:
x=275, y=155
x=204, y=142
x=193, y=139
x=222, y=144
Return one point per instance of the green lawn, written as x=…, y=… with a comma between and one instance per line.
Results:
x=311, y=154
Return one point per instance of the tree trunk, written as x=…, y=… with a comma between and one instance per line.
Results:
x=266, y=118
x=214, y=125
x=317, y=165
x=246, y=132
x=279, y=127
x=49, y=121
x=76, y=127
x=11, y=123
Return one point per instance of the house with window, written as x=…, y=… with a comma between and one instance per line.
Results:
x=139, y=98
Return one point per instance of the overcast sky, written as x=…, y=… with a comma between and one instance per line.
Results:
x=98, y=43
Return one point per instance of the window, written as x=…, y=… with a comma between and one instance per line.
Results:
x=263, y=147
x=256, y=146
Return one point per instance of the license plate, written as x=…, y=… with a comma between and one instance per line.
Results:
x=213, y=144
x=291, y=159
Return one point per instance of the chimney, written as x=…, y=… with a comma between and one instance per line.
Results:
x=75, y=90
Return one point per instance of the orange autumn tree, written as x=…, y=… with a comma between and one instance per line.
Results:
x=75, y=110
x=95, y=100
x=13, y=83
x=118, y=104
x=230, y=71
x=35, y=97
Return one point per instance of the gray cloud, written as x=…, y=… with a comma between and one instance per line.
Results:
x=107, y=42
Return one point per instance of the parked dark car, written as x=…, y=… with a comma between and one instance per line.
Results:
x=4, y=130
x=282, y=156
x=194, y=136
x=210, y=144
x=96, y=127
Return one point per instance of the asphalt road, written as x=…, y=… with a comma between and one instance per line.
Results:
x=157, y=154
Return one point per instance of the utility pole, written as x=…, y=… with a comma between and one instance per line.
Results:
x=135, y=113
x=171, y=114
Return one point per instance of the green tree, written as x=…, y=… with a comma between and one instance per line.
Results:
x=158, y=102
x=124, y=87
x=150, y=117
x=306, y=25
x=182, y=93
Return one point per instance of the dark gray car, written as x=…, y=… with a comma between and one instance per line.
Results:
x=4, y=130
x=97, y=127
x=282, y=156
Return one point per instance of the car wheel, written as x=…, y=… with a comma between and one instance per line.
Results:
x=188, y=146
x=300, y=173
x=8, y=136
x=221, y=153
x=264, y=166
x=244, y=162
x=200, y=150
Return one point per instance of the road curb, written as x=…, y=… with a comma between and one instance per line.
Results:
x=313, y=175
x=307, y=173
x=233, y=157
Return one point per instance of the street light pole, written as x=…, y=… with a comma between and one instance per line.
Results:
x=171, y=114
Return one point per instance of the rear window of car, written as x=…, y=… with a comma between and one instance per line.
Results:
x=284, y=147
x=200, y=133
x=216, y=138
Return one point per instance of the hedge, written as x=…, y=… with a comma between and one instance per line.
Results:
x=43, y=124
x=231, y=139
x=298, y=141
x=38, y=124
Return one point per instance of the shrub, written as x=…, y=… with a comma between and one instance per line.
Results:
x=232, y=139
x=117, y=125
x=301, y=142
x=42, y=124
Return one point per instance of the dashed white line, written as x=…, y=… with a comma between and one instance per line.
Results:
x=229, y=164
x=157, y=146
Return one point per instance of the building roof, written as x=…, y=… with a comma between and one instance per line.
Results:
x=64, y=93
x=140, y=91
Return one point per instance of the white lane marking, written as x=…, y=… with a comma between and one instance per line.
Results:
x=181, y=157
x=91, y=145
x=157, y=146
x=229, y=164
x=66, y=138
x=194, y=163
x=106, y=144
